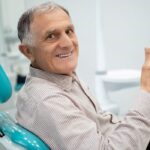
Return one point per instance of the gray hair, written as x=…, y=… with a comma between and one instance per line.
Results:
x=26, y=19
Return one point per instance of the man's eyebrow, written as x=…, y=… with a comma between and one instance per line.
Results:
x=49, y=32
x=70, y=26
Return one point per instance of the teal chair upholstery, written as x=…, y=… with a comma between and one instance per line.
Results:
x=9, y=128
x=5, y=86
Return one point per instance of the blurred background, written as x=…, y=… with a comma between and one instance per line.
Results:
x=112, y=35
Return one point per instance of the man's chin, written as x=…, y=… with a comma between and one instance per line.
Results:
x=67, y=72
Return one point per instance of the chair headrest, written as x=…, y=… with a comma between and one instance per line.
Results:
x=5, y=86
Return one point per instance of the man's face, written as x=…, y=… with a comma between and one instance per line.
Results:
x=55, y=45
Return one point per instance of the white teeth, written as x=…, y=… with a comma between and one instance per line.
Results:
x=64, y=55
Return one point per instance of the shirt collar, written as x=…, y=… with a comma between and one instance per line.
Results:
x=63, y=81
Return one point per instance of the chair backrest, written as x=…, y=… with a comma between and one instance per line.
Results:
x=8, y=127
x=5, y=86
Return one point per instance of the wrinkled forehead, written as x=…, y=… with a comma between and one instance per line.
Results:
x=47, y=10
x=44, y=10
x=49, y=21
x=50, y=16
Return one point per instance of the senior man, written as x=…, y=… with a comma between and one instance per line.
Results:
x=56, y=106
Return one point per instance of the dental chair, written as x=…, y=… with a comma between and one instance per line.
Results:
x=12, y=133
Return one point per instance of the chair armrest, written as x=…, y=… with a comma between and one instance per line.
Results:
x=20, y=135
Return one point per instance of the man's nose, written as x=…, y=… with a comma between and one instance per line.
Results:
x=65, y=41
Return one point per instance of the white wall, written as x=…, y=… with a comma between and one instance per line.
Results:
x=126, y=31
x=11, y=11
x=1, y=33
x=126, y=28
x=9, y=14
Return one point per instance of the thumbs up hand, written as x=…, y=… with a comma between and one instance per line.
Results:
x=145, y=75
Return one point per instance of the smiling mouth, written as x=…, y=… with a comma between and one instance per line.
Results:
x=64, y=55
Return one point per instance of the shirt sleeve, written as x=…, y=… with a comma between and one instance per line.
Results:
x=63, y=126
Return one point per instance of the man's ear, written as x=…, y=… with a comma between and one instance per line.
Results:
x=25, y=50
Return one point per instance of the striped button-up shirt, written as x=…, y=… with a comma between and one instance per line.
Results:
x=62, y=112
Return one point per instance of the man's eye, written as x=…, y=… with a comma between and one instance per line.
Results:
x=51, y=36
x=69, y=31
